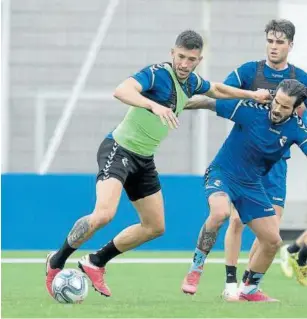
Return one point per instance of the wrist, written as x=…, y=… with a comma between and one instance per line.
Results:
x=252, y=95
x=150, y=105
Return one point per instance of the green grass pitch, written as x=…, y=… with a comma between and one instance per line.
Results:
x=146, y=291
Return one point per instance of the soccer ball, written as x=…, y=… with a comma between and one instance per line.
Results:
x=70, y=286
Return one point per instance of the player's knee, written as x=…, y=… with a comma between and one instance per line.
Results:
x=217, y=218
x=236, y=224
x=273, y=243
x=155, y=231
x=102, y=215
x=277, y=243
x=219, y=207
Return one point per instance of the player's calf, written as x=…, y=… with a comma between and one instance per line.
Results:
x=219, y=210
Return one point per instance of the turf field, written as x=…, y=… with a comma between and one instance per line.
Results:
x=145, y=291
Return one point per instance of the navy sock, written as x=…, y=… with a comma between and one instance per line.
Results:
x=105, y=254
x=294, y=248
x=231, y=274
x=59, y=258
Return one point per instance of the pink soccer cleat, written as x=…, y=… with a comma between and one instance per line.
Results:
x=190, y=282
x=50, y=273
x=95, y=274
x=258, y=296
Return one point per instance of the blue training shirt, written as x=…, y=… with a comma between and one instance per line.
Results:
x=244, y=76
x=157, y=83
x=249, y=152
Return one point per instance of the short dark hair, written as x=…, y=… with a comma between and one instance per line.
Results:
x=294, y=88
x=282, y=25
x=190, y=40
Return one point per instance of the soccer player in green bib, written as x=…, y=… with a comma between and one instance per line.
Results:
x=156, y=96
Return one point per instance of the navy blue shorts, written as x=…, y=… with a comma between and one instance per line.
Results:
x=275, y=183
x=250, y=199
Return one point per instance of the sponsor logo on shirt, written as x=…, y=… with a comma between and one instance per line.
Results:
x=283, y=140
x=274, y=131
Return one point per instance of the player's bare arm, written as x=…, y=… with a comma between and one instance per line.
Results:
x=201, y=102
x=222, y=91
x=129, y=92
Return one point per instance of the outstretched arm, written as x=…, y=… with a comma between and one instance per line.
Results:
x=198, y=102
x=222, y=91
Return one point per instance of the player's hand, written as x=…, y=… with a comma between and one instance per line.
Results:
x=166, y=115
x=262, y=96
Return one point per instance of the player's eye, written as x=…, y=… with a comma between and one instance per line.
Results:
x=280, y=42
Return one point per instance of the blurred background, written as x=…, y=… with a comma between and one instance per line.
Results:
x=62, y=59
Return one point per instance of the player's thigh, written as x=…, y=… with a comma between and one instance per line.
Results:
x=144, y=191
x=111, y=177
x=151, y=212
x=108, y=193
x=217, y=193
x=256, y=210
x=144, y=182
x=266, y=229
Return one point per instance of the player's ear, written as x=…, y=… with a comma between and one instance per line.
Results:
x=172, y=52
x=291, y=46
x=200, y=58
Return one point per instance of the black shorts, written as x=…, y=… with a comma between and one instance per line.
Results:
x=137, y=173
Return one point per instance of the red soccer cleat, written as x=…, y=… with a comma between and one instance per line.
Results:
x=190, y=282
x=50, y=273
x=258, y=296
x=95, y=274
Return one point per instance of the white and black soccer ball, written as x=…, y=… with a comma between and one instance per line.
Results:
x=70, y=286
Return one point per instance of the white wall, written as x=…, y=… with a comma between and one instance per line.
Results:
x=296, y=11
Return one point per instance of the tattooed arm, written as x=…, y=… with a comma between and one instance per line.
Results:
x=201, y=102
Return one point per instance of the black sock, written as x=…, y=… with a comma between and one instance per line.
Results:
x=254, y=278
x=231, y=274
x=106, y=253
x=245, y=276
x=302, y=256
x=59, y=258
x=294, y=248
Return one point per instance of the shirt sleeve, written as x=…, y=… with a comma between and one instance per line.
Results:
x=147, y=76
x=301, y=140
x=238, y=111
x=241, y=76
x=202, y=86
x=302, y=77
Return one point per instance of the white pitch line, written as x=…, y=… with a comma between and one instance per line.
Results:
x=127, y=261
